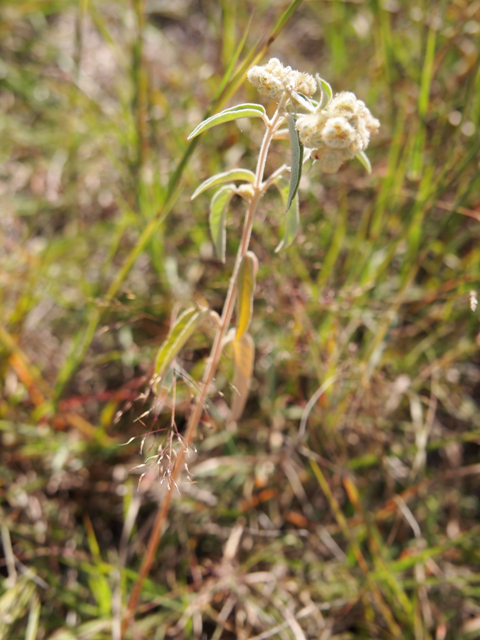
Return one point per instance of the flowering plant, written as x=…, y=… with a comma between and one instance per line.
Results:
x=330, y=130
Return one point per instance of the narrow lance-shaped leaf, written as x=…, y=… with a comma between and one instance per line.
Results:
x=246, y=287
x=292, y=223
x=217, y=218
x=283, y=187
x=181, y=331
x=363, y=158
x=326, y=92
x=243, y=358
x=297, y=160
x=220, y=178
x=249, y=110
x=292, y=219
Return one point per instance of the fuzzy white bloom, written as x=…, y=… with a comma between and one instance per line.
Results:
x=330, y=159
x=302, y=82
x=273, y=79
x=310, y=128
x=344, y=127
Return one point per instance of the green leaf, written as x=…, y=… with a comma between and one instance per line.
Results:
x=292, y=223
x=297, y=160
x=325, y=91
x=181, y=331
x=363, y=158
x=283, y=187
x=247, y=106
x=243, y=359
x=246, y=287
x=248, y=110
x=219, y=178
x=217, y=218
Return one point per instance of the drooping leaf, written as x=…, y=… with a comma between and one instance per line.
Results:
x=363, y=158
x=292, y=223
x=217, y=218
x=296, y=162
x=248, y=110
x=220, y=178
x=243, y=358
x=181, y=331
x=246, y=287
x=325, y=91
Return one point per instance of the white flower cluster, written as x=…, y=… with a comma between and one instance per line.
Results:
x=338, y=132
x=273, y=79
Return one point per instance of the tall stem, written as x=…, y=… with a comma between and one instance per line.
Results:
x=211, y=367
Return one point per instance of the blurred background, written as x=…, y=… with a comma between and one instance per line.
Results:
x=349, y=491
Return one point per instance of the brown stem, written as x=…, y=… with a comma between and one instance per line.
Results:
x=210, y=370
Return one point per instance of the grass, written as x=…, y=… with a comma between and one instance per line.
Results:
x=365, y=525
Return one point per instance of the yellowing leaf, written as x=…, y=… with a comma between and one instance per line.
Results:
x=243, y=358
x=246, y=287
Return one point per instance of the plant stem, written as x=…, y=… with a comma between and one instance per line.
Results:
x=211, y=367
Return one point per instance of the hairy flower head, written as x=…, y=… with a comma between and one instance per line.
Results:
x=344, y=127
x=273, y=79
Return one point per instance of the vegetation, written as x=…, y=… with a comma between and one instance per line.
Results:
x=345, y=502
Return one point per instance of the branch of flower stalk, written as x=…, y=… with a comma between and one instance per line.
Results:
x=271, y=178
x=212, y=364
